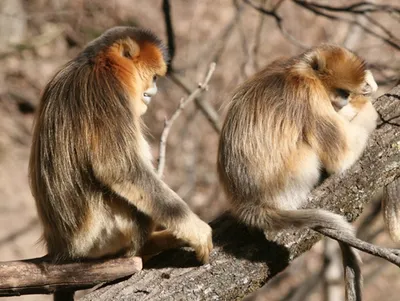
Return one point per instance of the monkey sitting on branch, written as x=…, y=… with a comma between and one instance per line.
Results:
x=285, y=125
x=91, y=174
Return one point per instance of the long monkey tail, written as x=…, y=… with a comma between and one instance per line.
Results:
x=318, y=220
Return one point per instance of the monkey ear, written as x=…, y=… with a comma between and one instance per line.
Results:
x=129, y=49
x=317, y=61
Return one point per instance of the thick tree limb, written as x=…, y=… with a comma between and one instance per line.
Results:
x=40, y=276
x=243, y=260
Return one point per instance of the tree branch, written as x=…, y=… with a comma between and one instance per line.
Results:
x=393, y=42
x=168, y=123
x=243, y=260
x=357, y=8
x=40, y=276
x=166, y=8
x=204, y=106
x=279, y=23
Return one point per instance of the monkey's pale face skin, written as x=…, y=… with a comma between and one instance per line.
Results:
x=370, y=84
x=146, y=97
x=341, y=100
x=139, y=65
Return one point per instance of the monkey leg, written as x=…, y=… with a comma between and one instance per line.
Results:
x=160, y=241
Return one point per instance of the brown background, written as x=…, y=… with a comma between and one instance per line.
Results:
x=38, y=36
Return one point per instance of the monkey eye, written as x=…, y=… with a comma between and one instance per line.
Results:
x=154, y=78
x=342, y=93
x=126, y=53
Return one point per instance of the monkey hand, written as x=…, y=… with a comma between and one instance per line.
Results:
x=366, y=117
x=198, y=235
x=348, y=112
x=361, y=112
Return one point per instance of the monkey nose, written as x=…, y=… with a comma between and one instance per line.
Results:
x=148, y=94
x=146, y=98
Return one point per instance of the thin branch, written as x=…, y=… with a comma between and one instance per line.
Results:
x=40, y=276
x=168, y=123
x=204, y=106
x=278, y=20
x=391, y=255
x=357, y=8
x=317, y=11
x=380, y=26
x=166, y=8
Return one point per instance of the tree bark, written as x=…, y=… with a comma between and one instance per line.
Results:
x=41, y=276
x=243, y=260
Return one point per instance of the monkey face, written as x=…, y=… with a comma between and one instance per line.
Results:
x=342, y=97
x=146, y=96
x=370, y=86
x=137, y=64
x=342, y=73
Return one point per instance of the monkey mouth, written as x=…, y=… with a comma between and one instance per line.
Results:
x=146, y=98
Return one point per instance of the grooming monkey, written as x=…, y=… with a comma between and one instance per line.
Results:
x=286, y=123
x=91, y=174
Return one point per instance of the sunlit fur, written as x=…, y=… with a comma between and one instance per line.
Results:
x=282, y=129
x=91, y=176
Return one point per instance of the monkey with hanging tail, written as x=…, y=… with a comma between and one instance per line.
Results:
x=285, y=125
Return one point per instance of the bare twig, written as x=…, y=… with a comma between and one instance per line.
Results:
x=278, y=20
x=391, y=255
x=357, y=8
x=40, y=276
x=204, y=106
x=166, y=8
x=367, y=29
x=168, y=123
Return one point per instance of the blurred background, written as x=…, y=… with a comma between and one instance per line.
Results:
x=38, y=36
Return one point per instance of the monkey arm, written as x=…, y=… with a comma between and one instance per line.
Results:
x=357, y=132
x=340, y=142
x=152, y=196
